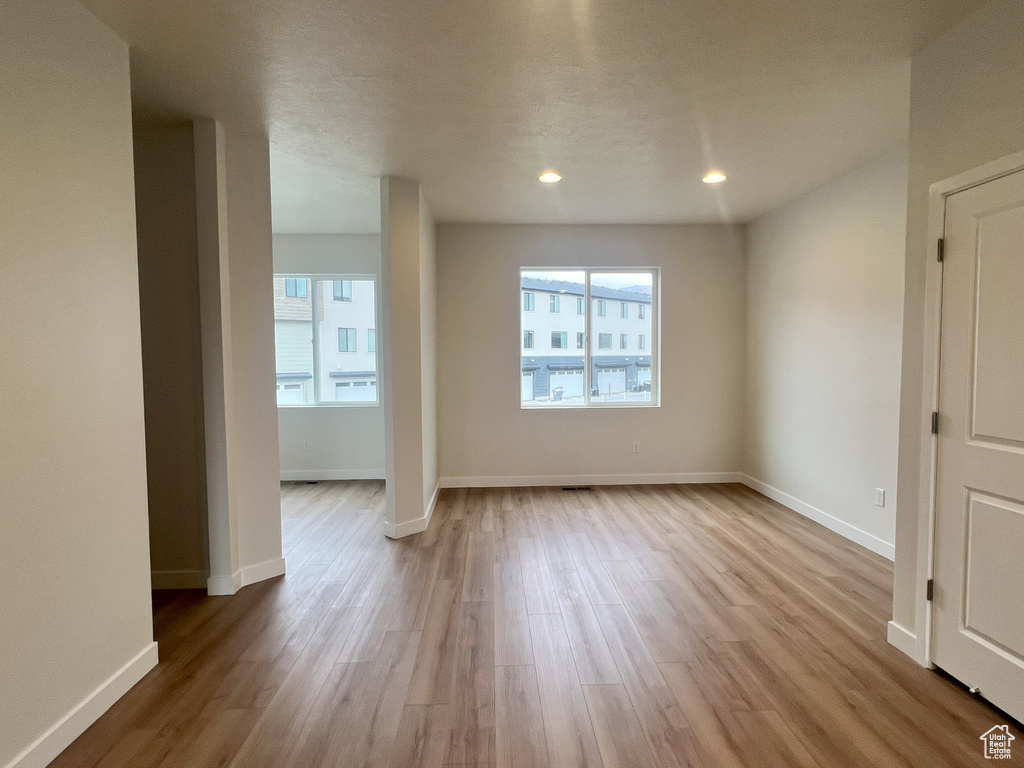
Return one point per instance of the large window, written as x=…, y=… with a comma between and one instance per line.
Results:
x=613, y=362
x=317, y=322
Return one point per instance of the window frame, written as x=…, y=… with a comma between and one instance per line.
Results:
x=554, y=304
x=351, y=335
x=563, y=340
x=592, y=306
x=529, y=297
x=533, y=339
x=339, y=295
x=314, y=278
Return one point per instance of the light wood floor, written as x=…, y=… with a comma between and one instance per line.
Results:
x=654, y=626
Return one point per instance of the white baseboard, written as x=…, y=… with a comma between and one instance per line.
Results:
x=410, y=527
x=902, y=639
x=224, y=585
x=537, y=481
x=865, y=539
x=314, y=475
x=44, y=749
x=178, y=579
x=268, y=569
x=244, y=576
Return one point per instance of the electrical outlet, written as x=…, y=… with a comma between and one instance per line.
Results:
x=305, y=445
x=636, y=447
x=879, y=497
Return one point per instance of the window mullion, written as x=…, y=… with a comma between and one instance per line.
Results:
x=315, y=304
x=586, y=338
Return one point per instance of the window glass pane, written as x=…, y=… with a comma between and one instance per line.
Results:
x=344, y=361
x=619, y=369
x=552, y=374
x=293, y=337
x=581, y=305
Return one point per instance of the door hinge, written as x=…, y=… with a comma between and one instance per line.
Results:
x=935, y=422
x=929, y=592
x=940, y=249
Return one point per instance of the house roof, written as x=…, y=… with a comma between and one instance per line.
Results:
x=576, y=289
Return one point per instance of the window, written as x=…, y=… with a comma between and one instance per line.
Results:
x=295, y=288
x=343, y=290
x=316, y=339
x=603, y=368
x=346, y=339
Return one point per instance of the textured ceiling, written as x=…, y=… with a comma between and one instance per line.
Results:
x=631, y=100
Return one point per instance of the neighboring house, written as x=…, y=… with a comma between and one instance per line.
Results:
x=346, y=340
x=554, y=340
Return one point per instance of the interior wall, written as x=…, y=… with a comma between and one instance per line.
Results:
x=428, y=350
x=171, y=354
x=485, y=436
x=344, y=442
x=74, y=535
x=966, y=109
x=824, y=320
x=254, y=375
x=408, y=370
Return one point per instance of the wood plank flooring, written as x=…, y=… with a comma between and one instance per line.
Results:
x=633, y=627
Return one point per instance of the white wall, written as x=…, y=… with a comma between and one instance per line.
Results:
x=76, y=628
x=171, y=354
x=428, y=350
x=484, y=435
x=966, y=109
x=345, y=442
x=408, y=370
x=250, y=252
x=824, y=324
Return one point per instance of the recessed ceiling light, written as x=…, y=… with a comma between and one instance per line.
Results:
x=714, y=177
x=549, y=177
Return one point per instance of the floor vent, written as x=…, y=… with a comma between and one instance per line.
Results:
x=576, y=488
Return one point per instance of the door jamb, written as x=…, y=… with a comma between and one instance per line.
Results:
x=937, y=194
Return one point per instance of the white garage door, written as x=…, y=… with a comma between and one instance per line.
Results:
x=643, y=375
x=527, y=387
x=571, y=383
x=611, y=381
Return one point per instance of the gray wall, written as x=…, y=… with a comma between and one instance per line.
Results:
x=966, y=109
x=171, y=353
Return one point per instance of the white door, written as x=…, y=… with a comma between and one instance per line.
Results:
x=571, y=383
x=978, y=619
x=643, y=375
x=611, y=381
x=527, y=387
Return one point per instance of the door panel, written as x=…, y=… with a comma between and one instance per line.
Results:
x=978, y=610
x=527, y=389
x=611, y=381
